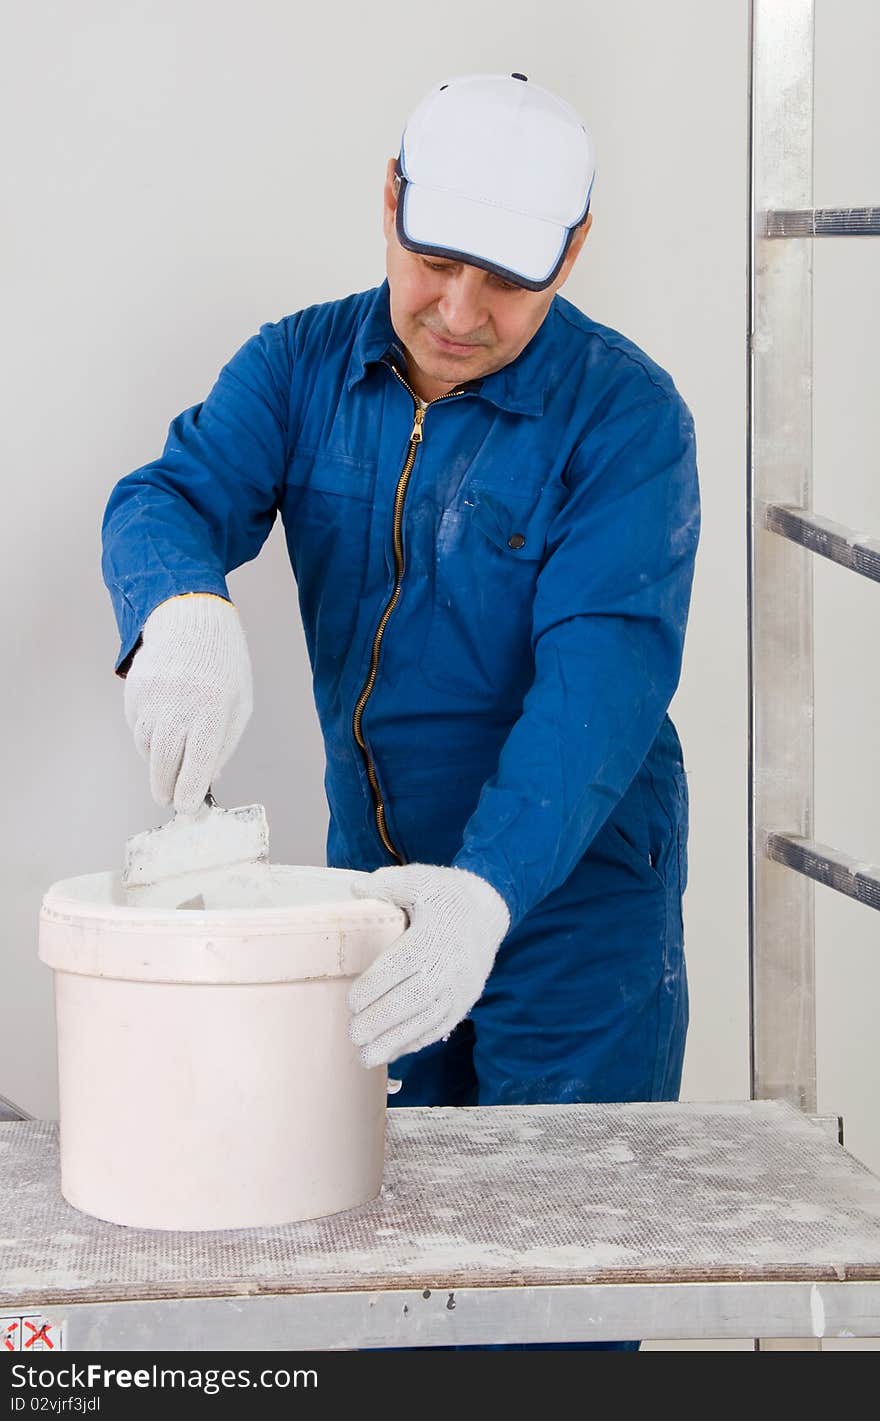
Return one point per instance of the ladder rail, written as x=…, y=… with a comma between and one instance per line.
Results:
x=782, y=1037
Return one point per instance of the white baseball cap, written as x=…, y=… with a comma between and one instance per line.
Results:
x=496, y=172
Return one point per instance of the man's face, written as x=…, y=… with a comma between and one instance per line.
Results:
x=456, y=321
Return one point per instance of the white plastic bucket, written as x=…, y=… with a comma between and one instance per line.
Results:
x=206, y=1077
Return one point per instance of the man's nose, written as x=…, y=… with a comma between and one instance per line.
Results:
x=462, y=307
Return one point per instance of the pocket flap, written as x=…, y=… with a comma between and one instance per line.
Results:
x=518, y=526
x=331, y=473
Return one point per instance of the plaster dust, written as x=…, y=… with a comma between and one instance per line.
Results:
x=493, y=1195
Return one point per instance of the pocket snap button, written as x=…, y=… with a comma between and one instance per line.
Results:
x=516, y=540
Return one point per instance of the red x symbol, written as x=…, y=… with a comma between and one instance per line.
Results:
x=41, y=1334
x=8, y=1338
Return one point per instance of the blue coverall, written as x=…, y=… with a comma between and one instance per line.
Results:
x=494, y=592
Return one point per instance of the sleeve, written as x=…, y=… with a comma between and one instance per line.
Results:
x=207, y=505
x=610, y=610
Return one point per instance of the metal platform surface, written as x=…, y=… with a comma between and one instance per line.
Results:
x=501, y=1223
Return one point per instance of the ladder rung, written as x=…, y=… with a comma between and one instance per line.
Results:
x=9, y=1111
x=843, y=545
x=836, y=870
x=822, y=222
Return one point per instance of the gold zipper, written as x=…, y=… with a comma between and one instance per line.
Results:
x=415, y=440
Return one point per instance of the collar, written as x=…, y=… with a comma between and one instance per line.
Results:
x=518, y=387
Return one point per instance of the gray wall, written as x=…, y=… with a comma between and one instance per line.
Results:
x=178, y=173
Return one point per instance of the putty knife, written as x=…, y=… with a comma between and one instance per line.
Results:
x=212, y=838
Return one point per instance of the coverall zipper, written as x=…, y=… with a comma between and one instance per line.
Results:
x=415, y=440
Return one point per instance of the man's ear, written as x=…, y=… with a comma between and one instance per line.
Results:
x=573, y=252
x=390, y=191
x=580, y=235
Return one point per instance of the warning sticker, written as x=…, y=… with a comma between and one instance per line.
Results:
x=30, y=1332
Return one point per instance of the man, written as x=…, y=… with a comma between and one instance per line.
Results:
x=492, y=512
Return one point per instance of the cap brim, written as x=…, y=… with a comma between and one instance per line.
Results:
x=526, y=250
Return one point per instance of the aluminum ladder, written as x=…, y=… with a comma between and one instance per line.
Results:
x=785, y=861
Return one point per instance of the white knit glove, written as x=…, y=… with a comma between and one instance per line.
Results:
x=428, y=980
x=188, y=695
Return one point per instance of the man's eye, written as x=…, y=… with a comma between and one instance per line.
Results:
x=504, y=285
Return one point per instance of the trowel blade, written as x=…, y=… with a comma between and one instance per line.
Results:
x=211, y=838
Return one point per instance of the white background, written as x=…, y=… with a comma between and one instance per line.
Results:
x=177, y=173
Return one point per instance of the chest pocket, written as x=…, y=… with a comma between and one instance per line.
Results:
x=327, y=513
x=490, y=547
